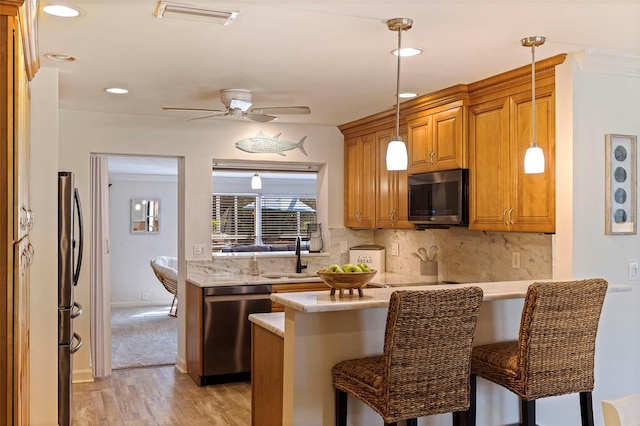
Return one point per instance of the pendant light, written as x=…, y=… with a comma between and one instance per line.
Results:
x=256, y=182
x=534, y=156
x=397, y=150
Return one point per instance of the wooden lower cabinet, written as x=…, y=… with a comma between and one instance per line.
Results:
x=267, y=369
x=294, y=287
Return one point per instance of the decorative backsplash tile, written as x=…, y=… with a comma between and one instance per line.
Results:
x=463, y=255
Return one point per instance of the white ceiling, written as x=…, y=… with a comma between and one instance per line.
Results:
x=333, y=56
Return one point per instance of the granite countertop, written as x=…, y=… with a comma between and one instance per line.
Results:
x=227, y=279
x=273, y=322
x=310, y=302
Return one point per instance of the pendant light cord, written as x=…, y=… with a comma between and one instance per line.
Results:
x=533, y=95
x=398, y=138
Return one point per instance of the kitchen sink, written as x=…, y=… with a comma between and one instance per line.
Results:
x=284, y=275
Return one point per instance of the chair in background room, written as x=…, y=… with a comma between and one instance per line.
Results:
x=623, y=411
x=166, y=270
x=554, y=354
x=425, y=365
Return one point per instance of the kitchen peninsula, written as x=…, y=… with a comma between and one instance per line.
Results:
x=319, y=330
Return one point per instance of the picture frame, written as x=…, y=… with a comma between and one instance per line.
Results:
x=620, y=184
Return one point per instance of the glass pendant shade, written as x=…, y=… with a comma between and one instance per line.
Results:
x=534, y=159
x=256, y=182
x=397, y=155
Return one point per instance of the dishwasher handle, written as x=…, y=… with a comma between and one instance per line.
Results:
x=236, y=297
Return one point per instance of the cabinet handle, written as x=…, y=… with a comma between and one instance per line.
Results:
x=392, y=216
x=358, y=217
x=431, y=154
x=504, y=216
x=509, y=215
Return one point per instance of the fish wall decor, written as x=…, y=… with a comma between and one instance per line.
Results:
x=263, y=143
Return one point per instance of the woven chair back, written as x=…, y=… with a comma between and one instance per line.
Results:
x=165, y=273
x=556, y=346
x=427, y=350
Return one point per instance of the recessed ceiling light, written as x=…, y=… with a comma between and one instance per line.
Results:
x=60, y=57
x=407, y=95
x=407, y=51
x=116, y=90
x=61, y=11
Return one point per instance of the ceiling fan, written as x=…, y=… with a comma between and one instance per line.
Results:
x=238, y=104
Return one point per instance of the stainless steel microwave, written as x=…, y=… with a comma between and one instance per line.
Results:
x=439, y=198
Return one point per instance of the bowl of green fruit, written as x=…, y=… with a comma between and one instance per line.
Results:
x=347, y=277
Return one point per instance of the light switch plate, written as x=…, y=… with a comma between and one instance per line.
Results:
x=343, y=247
x=633, y=269
x=515, y=259
x=395, y=249
x=198, y=249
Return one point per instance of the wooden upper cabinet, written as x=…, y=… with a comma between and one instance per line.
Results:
x=502, y=196
x=360, y=181
x=533, y=195
x=392, y=196
x=437, y=139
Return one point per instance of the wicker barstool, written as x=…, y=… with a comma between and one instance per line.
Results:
x=425, y=365
x=554, y=354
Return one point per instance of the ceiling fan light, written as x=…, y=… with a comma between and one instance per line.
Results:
x=256, y=182
x=240, y=104
x=407, y=51
x=397, y=158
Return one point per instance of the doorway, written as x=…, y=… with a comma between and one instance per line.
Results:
x=137, y=300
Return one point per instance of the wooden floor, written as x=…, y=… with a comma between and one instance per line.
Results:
x=159, y=396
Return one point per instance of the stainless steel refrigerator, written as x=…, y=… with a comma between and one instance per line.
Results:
x=69, y=262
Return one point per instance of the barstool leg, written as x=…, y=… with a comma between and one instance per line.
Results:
x=341, y=408
x=586, y=408
x=528, y=412
x=468, y=418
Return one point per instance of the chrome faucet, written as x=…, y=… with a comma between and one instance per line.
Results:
x=299, y=265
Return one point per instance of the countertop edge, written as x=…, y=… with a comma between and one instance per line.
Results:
x=314, y=301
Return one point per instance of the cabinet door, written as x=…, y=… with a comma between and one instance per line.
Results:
x=23, y=256
x=22, y=211
x=420, y=144
x=449, y=150
x=533, y=195
x=392, y=196
x=359, y=181
x=489, y=167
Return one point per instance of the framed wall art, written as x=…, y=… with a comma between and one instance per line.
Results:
x=620, y=184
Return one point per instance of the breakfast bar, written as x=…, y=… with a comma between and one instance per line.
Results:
x=320, y=330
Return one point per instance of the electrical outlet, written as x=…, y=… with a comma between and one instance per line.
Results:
x=395, y=249
x=515, y=259
x=633, y=270
x=145, y=295
x=198, y=249
x=343, y=247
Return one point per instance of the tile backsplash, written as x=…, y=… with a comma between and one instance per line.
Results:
x=463, y=255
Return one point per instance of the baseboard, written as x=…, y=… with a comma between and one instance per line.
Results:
x=82, y=376
x=181, y=364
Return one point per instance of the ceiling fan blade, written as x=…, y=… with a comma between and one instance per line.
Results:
x=262, y=118
x=223, y=113
x=188, y=109
x=282, y=110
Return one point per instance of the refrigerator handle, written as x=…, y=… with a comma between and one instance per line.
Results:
x=76, y=274
x=75, y=348
x=78, y=311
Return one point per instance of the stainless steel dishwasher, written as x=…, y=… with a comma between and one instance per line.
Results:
x=227, y=330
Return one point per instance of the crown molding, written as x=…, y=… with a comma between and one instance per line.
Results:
x=609, y=62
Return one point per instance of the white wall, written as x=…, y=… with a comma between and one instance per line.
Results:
x=44, y=237
x=130, y=253
x=198, y=142
x=591, y=105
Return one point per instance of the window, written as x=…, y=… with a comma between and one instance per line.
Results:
x=268, y=219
